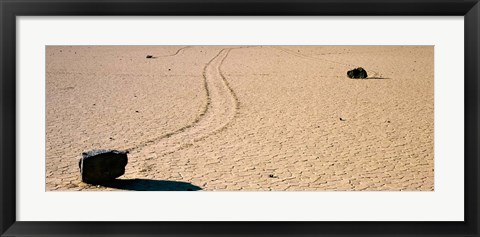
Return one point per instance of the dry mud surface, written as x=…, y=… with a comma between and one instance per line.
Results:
x=256, y=118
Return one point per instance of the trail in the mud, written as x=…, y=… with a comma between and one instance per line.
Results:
x=291, y=52
x=176, y=53
x=220, y=109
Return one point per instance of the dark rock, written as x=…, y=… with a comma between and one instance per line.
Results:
x=357, y=73
x=100, y=166
x=149, y=56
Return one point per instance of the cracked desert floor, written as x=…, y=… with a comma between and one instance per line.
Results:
x=253, y=118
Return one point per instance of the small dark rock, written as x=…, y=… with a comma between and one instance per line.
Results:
x=169, y=69
x=342, y=119
x=149, y=56
x=357, y=73
x=137, y=111
x=103, y=165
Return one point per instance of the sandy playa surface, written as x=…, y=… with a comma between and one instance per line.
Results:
x=243, y=118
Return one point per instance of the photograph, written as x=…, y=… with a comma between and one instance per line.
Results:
x=239, y=118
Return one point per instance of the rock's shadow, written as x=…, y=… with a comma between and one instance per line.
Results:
x=375, y=78
x=151, y=185
x=371, y=78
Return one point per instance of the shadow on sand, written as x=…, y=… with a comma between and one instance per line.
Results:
x=150, y=185
x=375, y=78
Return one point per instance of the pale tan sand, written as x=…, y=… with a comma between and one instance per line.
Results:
x=244, y=118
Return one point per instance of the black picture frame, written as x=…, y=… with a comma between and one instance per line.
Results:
x=9, y=226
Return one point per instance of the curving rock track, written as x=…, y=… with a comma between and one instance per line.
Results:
x=301, y=55
x=176, y=52
x=220, y=109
